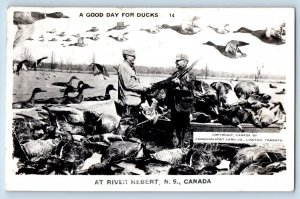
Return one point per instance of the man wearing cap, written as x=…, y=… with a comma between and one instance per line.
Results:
x=181, y=99
x=129, y=89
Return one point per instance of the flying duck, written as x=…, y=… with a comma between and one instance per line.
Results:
x=121, y=37
x=29, y=103
x=101, y=98
x=79, y=98
x=154, y=30
x=79, y=43
x=93, y=29
x=120, y=26
x=231, y=49
x=53, y=39
x=67, y=40
x=65, y=84
x=37, y=63
x=20, y=65
x=269, y=35
x=62, y=34
x=95, y=37
x=99, y=69
x=188, y=27
x=77, y=35
x=51, y=31
x=42, y=40
x=220, y=30
x=25, y=21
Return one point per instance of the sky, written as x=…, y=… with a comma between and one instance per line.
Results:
x=159, y=50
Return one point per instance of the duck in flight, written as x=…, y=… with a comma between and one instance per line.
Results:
x=273, y=35
x=220, y=30
x=231, y=49
x=62, y=34
x=25, y=23
x=121, y=37
x=79, y=43
x=99, y=69
x=53, y=39
x=72, y=89
x=154, y=30
x=29, y=103
x=93, y=29
x=188, y=27
x=95, y=37
x=51, y=31
x=107, y=96
x=67, y=40
x=120, y=26
x=27, y=64
x=65, y=84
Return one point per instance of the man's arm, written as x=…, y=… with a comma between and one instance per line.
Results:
x=129, y=81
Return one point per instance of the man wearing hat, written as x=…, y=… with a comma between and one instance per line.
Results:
x=181, y=99
x=129, y=89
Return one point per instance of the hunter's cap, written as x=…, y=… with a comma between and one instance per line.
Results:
x=129, y=51
x=181, y=56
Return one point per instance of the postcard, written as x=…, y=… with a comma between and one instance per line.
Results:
x=150, y=99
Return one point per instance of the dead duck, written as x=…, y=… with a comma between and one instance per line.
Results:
x=229, y=116
x=65, y=84
x=231, y=49
x=79, y=98
x=99, y=69
x=258, y=155
x=79, y=43
x=101, y=98
x=222, y=89
x=244, y=89
x=266, y=116
x=93, y=29
x=29, y=103
x=121, y=37
x=95, y=37
x=269, y=35
x=221, y=30
x=120, y=26
x=25, y=23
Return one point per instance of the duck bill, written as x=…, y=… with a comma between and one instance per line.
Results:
x=42, y=91
x=65, y=16
x=240, y=127
x=90, y=86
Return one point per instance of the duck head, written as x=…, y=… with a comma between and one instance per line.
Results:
x=56, y=15
x=74, y=77
x=110, y=88
x=38, y=90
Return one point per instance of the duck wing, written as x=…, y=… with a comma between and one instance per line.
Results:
x=232, y=46
x=23, y=33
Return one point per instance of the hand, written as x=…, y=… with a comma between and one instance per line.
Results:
x=176, y=80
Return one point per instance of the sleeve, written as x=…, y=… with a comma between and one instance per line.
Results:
x=130, y=82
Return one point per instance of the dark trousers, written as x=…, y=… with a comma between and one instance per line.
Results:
x=129, y=121
x=180, y=124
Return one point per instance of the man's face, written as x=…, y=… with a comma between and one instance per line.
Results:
x=180, y=64
x=130, y=59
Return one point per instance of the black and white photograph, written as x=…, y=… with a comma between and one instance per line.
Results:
x=150, y=99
